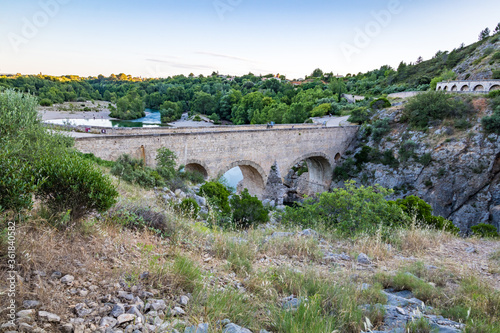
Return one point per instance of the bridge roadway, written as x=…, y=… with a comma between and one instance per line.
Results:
x=253, y=148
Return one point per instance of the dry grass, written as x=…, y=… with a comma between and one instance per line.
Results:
x=297, y=247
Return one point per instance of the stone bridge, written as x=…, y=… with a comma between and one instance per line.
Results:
x=254, y=149
x=480, y=86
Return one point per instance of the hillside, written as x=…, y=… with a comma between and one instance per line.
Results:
x=451, y=163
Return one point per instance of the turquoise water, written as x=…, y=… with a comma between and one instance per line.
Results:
x=152, y=119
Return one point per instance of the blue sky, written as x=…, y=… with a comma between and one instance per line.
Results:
x=154, y=38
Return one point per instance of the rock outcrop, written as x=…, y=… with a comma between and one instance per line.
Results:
x=456, y=171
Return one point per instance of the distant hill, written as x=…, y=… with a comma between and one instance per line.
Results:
x=480, y=60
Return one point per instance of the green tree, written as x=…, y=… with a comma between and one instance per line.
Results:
x=484, y=34
x=203, y=103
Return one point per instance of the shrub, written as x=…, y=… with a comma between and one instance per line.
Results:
x=133, y=171
x=17, y=183
x=189, y=207
x=380, y=103
x=197, y=118
x=45, y=102
x=350, y=210
x=414, y=206
x=407, y=150
x=359, y=115
x=75, y=184
x=217, y=195
x=491, y=124
x=248, y=210
x=380, y=128
x=485, y=230
x=165, y=162
x=434, y=105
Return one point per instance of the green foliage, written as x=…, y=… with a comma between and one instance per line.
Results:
x=187, y=273
x=189, y=207
x=434, y=82
x=414, y=206
x=75, y=184
x=321, y=110
x=129, y=107
x=96, y=160
x=407, y=150
x=45, y=102
x=165, y=162
x=248, y=210
x=380, y=103
x=420, y=325
x=380, y=128
x=434, y=105
x=350, y=210
x=425, y=159
x=134, y=171
x=485, y=230
x=217, y=195
x=17, y=183
x=491, y=124
x=170, y=111
x=359, y=115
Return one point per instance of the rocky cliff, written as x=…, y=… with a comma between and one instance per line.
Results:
x=456, y=170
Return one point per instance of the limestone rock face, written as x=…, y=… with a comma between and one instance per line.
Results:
x=456, y=171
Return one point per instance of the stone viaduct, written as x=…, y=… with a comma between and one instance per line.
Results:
x=254, y=149
x=482, y=86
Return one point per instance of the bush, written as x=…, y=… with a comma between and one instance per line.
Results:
x=350, y=210
x=17, y=183
x=380, y=128
x=407, y=150
x=485, y=230
x=248, y=210
x=189, y=207
x=414, y=206
x=165, y=162
x=380, y=103
x=134, y=171
x=434, y=105
x=73, y=183
x=217, y=195
x=491, y=124
x=359, y=115
x=45, y=102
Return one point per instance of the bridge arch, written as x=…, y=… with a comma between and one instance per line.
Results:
x=495, y=87
x=319, y=172
x=197, y=166
x=445, y=88
x=479, y=87
x=464, y=88
x=254, y=177
x=454, y=88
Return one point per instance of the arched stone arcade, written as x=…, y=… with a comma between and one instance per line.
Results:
x=254, y=177
x=318, y=176
x=194, y=165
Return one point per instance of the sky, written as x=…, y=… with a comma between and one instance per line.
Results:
x=161, y=38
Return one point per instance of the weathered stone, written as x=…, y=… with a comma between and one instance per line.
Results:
x=108, y=322
x=25, y=313
x=47, y=316
x=363, y=259
x=67, y=279
x=233, y=328
x=183, y=300
x=117, y=310
x=201, y=328
x=177, y=311
x=125, y=318
x=24, y=327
